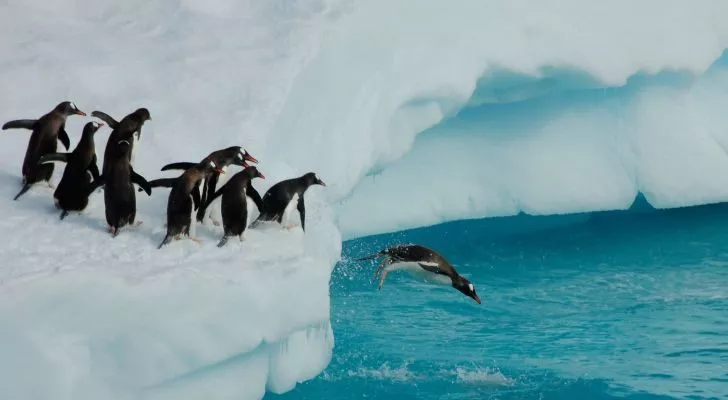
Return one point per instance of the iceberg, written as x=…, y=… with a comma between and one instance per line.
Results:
x=413, y=114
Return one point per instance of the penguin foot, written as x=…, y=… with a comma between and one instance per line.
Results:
x=196, y=240
x=137, y=224
x=113, y=231
x=381, y=281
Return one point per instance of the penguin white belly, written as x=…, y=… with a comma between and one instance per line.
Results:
x=288, y=212
x=135, y=137
x=414, y=269
x=193, y=219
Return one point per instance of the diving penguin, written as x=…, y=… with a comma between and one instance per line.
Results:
x=423, y=262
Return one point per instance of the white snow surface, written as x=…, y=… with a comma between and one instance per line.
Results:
x=413, y=113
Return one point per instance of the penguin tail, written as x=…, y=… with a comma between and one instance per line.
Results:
x=223, y=241
x=22, y=191
x=166, y=241
x=372, y=256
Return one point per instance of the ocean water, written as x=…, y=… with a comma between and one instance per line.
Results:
x=615, y=305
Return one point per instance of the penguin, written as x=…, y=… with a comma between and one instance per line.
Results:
x=182, y=197
x=279, y=200
x=233, y=155
x=119, y=194
x=129, y=129
x=47, y=130
x=421, y=261
x=74, y=189
x=234, y=205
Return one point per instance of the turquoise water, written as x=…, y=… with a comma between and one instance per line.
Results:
x=612, y=305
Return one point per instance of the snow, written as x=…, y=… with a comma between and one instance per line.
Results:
x=412, y=114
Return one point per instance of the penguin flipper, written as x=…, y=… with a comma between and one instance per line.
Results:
x=51, y=157
x=302, y=211
x=255, y=196
x=94, y=169
x=163, y=182
x=20, y=124
x=196, y=197
x=207, y=190
x=111, y=122
x=139, y=180
x=63, y=137
x=432, y=267
x=178, y=165
x=217, y=194
x=97, y=183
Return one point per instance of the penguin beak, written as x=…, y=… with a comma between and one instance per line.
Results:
x=320, y=182
x=261, y=176
x=475, y=297
x=79, y=112
x=219, y=170
x=250, y=158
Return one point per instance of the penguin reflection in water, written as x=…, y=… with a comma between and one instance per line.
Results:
x=422, y=262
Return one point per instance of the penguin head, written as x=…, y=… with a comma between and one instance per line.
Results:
x=67, y=108
x=465, y=287
x=91, y=128
x=143, y=114
x=242, y=156
x=312, y=179
x=253, y=172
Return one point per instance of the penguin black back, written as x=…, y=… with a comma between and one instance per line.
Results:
x=279, y=200
x=234, y=205
x=233, y=155
x=46, y=131
x=119, y=193
x=128, y=129
x=422, y=261
x=81, y=170
x=181, y=200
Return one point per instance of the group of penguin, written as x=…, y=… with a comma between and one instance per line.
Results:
x=192, y=191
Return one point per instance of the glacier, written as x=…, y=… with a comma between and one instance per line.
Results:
x=413, y=114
